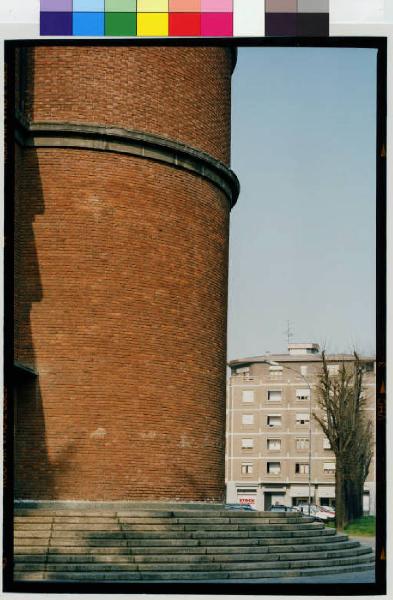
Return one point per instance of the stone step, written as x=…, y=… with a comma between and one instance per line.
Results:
x=192, y=538
x=180, y=544
x=238, y=575
x=69, y=530
x=158, y=520
x=244, y=527
x=120, y=537
x=24, y=562
x=113, y=559
x=283, y=544
x=200, y=513
x=32, y=527
x=37, y=534
x=65, y=545
x=245, y=553
x=50, y=520
x=115, y=531
x=195, y=566
x=32, y=519
x=190, y=546
x=174, y=576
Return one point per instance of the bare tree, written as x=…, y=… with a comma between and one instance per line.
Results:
x=349, y=433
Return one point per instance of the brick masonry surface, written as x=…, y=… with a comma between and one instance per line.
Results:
x=179, y=93
x=121, y=282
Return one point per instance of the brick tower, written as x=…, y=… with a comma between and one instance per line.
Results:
x=122, y=202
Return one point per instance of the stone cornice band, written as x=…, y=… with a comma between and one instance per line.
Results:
x=128, y=141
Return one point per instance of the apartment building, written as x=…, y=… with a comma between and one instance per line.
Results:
x=275, y=449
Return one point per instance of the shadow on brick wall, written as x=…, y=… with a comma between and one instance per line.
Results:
x=32, y=469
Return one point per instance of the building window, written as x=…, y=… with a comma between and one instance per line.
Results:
x=326, y=444
x=302, y=419
x=302, y=468
x=248, y=395
x=247, y=443
x=274, y=421
x=247, y=419
x=329, y=468
x=333, y=369
x=302, y=443
x=247, y=468
x=243, y=371
x=274, y=468
x=303, y=370
x=275, y=372
x=303, y=394
x=274, y=444
x=274, y=395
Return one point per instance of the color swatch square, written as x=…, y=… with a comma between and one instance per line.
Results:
x=145, y=18
x=95, y=6
x=154, y=6
x=56, y=23
x=215, y=6
x=280, y=24
x=185, y=24
x=248, y=18
x=56, y=5
x=312, y=24
x=152, y=24
x=88, y=23
x=301, y=18
x=120, y=23
x=124, y=6
x=193, y=6
x=281, y=6
x=217, y=24
x=313, y=6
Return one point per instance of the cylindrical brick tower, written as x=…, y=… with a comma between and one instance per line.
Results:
x=122, y=203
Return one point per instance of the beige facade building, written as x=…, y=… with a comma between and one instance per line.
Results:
x=274, y=453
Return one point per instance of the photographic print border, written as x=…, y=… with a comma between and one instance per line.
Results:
x=379, y=587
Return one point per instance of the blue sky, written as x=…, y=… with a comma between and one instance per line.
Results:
x=302, y=240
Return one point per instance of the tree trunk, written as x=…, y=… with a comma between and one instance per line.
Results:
x=341, y=513
x=348, y=498
x=358, y=492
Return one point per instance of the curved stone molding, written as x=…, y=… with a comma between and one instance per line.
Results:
x=127, y=141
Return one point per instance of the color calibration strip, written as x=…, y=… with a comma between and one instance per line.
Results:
x=152, y=18
x=296, y=18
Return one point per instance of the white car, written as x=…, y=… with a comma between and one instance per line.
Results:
x=319, y=512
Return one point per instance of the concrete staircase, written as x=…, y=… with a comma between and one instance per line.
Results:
x=53, y=544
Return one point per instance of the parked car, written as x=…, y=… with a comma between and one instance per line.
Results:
x=326, y=513
x=328, y=508
x=239, y=507
x=320, y=513
x=278, y=508
x=282, y=508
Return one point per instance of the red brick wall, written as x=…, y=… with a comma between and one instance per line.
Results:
x=179, y=93
x=121, y=283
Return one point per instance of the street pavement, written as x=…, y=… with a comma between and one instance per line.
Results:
x=364, y=539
